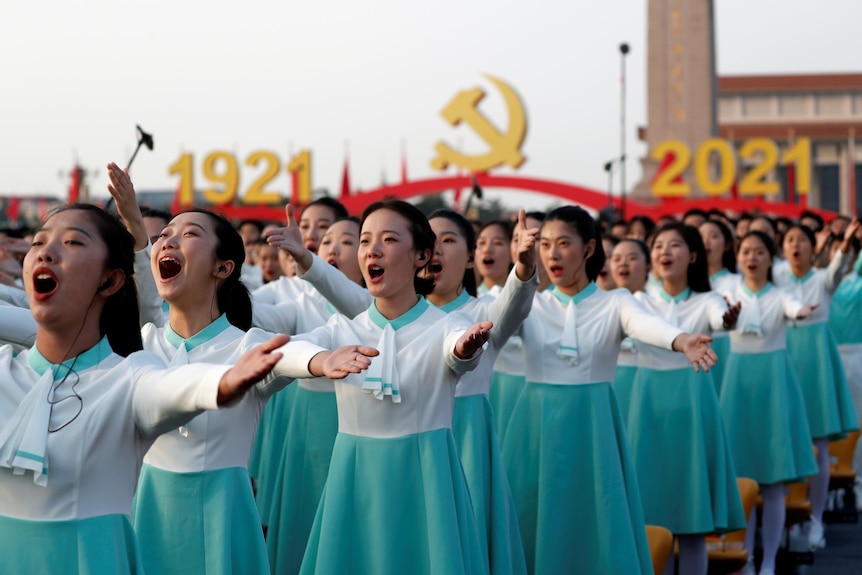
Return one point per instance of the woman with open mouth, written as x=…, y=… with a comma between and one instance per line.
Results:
x=79, y=409
x=194, y=509
x=454, y=290
x=493, y=256
x=761, y=400
x=395, y=499
x=630, y=266
x=721, y=256
x=674, y=409
x=565, y=449
x=814, y=352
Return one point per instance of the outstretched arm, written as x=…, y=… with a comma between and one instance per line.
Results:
x=696, y=349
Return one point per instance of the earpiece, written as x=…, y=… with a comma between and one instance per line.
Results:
x=105, y=285
x=221, y=268
x=421, y=257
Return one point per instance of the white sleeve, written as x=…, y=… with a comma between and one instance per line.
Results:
x=511, y=307
x=349, y=298
x=277, y=318
x=835, y=270
x=643, y=326
x=717, y=307
x=791, y=305
x=17, y=326
x=300, y=350
x=165, y=398
x=149, y=300
x=456, y=325
x=15, y=296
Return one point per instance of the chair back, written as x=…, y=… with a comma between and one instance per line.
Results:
x=660, y=545
x=748, y=490
x=842, y=450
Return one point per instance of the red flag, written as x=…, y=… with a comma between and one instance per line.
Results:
x=75, y=187
x=345, y=181
x=851, y=172
x=13, y=209
x=791, y=184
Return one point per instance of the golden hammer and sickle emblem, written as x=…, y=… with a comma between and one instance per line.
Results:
x=505, y=147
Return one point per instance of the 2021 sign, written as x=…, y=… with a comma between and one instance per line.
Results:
x=762, y=152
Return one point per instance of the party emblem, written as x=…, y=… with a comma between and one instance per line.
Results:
x=504, y=147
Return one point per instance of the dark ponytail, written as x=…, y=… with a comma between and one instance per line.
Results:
x=232, y=298
x=468, y=232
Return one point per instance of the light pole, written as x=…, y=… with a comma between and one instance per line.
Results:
x=624, y=50
x=609, y=168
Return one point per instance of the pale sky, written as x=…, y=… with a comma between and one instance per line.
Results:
x=75, y=78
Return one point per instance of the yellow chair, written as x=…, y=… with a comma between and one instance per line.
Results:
x=727, y=554
x=842, y=475
x=796, y=503
x=660, y=544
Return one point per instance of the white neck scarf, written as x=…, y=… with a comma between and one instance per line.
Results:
x=568, y=349
x=24, y=438
x=381, y=379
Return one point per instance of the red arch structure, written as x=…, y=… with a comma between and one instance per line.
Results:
x=572, y=193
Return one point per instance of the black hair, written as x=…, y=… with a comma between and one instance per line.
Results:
x=646, y=221
x=337, y=207
x=536, y=215
x=587, y=229
x=256, y=223
x=716, y=213
x=816, y=217
x=744, y=216
x=157, y=213
x=728, y=257
x=695, y=212
x=233, y=298
x=766, y=218
x=507, y=227
x=698, y=270
x=120, y=320
x=468, y=232
x=767, y=242
x=423, y=236
x=353, y=219
x=643, y=247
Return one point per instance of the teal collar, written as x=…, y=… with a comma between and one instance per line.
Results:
x=858, y=265
x=203, y=336
x=407, y=317
x=456, y=303
x=331, y=308
x=84, y=360
x=653, y=280
x=682, y=296
x=803, y=279
x=719, y=274
x=166, y=307
x=578, y=297
x=750, y=293
x=482, y=289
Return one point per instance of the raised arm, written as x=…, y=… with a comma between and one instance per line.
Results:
x=348, y=298
x=17, y=326
x=511, y=307
x=838, y=264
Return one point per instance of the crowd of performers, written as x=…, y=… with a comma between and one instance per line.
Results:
x=511, y=398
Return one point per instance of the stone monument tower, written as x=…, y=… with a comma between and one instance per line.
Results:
x=681, y=81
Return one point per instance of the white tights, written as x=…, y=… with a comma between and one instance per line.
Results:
x=693, y=558
x=818, y=490
x=772, y=524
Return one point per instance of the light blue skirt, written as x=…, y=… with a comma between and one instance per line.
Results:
x=503, y=395
x=395, y=505
x=103, y=545
x=721, y=346
x=198, y=523
x=493, y=506
x=828, y=401
x=268, y=444
x=624, y=379
x=685, y=468
x=575, y=488
x=765, y=419
x=300, y=479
